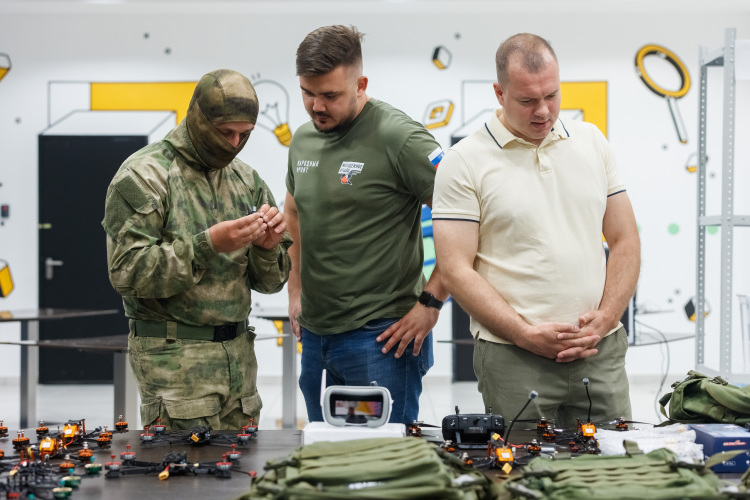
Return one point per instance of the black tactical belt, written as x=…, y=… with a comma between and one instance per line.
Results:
x=170, y=329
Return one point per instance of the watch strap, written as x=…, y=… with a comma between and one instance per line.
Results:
x=429, y=300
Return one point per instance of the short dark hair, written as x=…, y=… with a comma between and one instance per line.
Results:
x=327, y=48
x=532, y=49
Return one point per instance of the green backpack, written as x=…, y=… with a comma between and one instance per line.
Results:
x=380, y=468
x=655, y=475
x=701, y=399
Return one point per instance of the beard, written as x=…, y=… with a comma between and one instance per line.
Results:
x=341, y=125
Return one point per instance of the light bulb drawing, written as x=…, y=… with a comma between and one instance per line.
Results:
x=274, y=110
x=4, y=65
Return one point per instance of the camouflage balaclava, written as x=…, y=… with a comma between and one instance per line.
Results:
x=220, y=96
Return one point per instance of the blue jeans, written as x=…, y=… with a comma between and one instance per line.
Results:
x=355, y=358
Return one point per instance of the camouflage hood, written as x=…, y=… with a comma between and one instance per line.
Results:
x=220, y=96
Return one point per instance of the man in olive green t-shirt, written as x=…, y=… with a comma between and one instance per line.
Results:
x=358, y=175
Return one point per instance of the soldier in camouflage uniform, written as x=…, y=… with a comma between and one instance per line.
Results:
x=190, y=231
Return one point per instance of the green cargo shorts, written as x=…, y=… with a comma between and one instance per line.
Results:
x=507, y=374
x=188, y=383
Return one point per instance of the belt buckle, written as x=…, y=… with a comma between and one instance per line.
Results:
x=222, y=333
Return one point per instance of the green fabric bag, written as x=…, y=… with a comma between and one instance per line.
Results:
x=701, y=399
x=380, y=468
x=655, y=475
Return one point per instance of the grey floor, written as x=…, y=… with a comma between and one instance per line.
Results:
x=60, y=403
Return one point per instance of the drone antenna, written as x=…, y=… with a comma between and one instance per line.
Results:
x=586, y=385
x=532, y=395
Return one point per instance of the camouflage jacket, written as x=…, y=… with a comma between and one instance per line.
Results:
x=158, y=210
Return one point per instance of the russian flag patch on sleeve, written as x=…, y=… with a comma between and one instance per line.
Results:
x=436, y=156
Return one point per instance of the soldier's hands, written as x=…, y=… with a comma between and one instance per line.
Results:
x=264, y=228
x=274, y=220
x=232, y=235
x=415, y=325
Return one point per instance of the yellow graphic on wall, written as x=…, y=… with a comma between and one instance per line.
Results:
x=670, y=95
x=441, y=57
x=6, y=280
x=175, y=96
x=137, y=96
x=274, y=110
x=691, y=164
x=438, y=114
x=690, y=308
x=4, y=65
x=588, y=97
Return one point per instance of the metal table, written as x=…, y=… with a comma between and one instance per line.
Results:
x=652, y=338
x=125, y=385
x=642, y=339
x=29, y=319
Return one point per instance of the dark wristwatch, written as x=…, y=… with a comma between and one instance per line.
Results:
x=429, y=300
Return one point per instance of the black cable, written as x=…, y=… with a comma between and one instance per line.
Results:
x=586, y=385
x=532, y=395
x=666, y=370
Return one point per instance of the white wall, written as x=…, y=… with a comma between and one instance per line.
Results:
x=594, y=40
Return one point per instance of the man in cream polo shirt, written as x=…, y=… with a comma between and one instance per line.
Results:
x=519, y=210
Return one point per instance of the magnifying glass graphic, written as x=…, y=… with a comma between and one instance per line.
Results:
x=670, y=95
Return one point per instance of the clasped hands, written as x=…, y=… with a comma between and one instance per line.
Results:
x=264, y=228
x=566, y=342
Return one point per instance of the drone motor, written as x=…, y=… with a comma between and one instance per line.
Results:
x=21, y=441
x=86, y=453
x=158, y=427
x=121, y=426
x=127, y=456
x=42, y=430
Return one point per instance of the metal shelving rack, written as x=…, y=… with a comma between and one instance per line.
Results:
x=727, y=221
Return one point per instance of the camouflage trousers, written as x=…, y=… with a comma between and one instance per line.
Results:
x=187, y=383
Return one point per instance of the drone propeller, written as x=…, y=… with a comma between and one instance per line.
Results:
x=419, y=423
x=622, y=425
x=623, y=421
